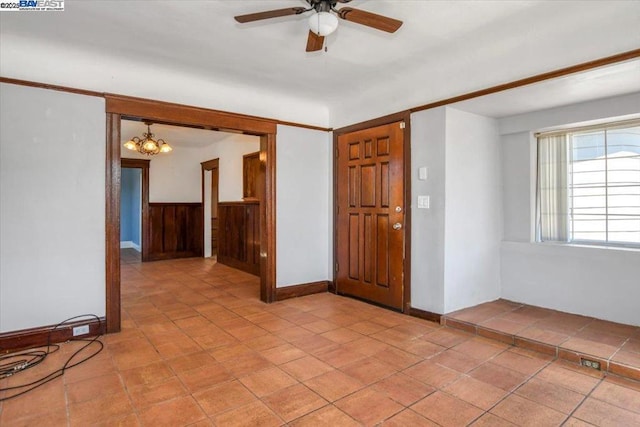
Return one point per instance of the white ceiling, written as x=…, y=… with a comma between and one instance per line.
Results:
x=175, y=136
x=604, y=82
x=444, y=48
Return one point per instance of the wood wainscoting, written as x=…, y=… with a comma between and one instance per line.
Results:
x=175, y=230
x=239, y=235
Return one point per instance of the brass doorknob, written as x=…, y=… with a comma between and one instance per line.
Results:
x=397, y=226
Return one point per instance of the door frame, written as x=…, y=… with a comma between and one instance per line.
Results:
x=118, y=106
x=208, y=165
x=144, y=202
x=403, y=116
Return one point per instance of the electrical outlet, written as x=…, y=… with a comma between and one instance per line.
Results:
x=80, y=330
x=423, y=202
x=590, y=363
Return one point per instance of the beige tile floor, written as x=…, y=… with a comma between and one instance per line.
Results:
x=199, y=348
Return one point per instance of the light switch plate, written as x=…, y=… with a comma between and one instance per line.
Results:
x=423, y=202
x=422, y=173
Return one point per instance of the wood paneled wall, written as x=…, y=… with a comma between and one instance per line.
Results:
x=239, y=235
x=250, y=176
x=176, y=230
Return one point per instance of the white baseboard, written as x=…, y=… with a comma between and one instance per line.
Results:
x=129, y=244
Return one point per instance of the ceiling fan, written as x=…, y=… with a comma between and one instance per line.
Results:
x=325, y=19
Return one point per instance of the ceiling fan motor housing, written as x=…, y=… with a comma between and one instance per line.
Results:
x=322, y=5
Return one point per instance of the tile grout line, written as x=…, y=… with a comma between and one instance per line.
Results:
x=584, y=399
x=175, y=374
x=404, y=407
x=511, y=392
x=616, y=352
x=136, y=410
x=558, y=347
x=258, y=398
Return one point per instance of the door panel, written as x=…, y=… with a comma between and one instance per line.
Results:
x=370, y=198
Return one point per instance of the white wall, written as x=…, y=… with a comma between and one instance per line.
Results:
x=599, y=282
x=176, y=176
x=455, y=243
x=473, y=222
x=519, y=186
x=428, y=138
x=303, y=179
x=230, y=152
x=52, y=215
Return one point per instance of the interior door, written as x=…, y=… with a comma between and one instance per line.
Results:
x=370, y=214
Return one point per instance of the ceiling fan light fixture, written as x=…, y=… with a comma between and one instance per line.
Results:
x=323, y=23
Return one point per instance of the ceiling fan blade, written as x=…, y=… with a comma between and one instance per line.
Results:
x=370, y=19
x=314, y=42
x=269, y=14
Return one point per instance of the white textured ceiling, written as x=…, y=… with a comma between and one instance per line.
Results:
x=444, y=48
x=175, y=136
x=603, y=82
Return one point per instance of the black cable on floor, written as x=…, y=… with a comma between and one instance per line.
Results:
x=18, y=362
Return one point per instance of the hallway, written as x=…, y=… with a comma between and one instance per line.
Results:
x=199, y=348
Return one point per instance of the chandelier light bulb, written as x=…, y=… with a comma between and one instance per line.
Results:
x=323, y=23
x=150, y=145
x=147, y=145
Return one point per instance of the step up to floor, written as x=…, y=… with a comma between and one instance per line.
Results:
x=610, y=347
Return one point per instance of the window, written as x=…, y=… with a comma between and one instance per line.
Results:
x=589, y=185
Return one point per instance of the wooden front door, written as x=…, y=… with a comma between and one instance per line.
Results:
x=370, y=214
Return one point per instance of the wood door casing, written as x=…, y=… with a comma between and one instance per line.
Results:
x=214, y=210
x=370, y=200
x=213, y=166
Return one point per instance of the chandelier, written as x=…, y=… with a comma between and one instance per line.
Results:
x=147, y=145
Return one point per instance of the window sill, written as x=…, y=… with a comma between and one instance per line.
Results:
x=590, y=246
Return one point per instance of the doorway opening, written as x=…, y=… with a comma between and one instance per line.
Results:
x=190, y=117
x=134, y=208
x=131, y=212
